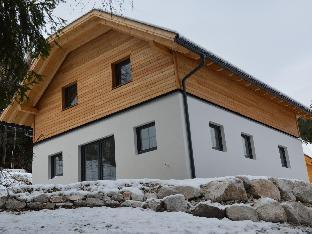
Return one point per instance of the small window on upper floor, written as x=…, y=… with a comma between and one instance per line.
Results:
x=146, y=138
x=284, y=156
x=248, y=146
x=70, y=96
x=56, y=165
x=217, y=137
x=121, y=73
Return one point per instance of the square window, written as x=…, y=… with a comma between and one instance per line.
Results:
x=70, y=97
x=56, y=165
x=248, y=146
x=122, y=73
x=284, y=156
x=146, y=138
x=216, y=136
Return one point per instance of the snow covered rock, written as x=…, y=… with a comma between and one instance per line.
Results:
x=208, y=210
x=285, y=187
x=35, y=205
x=64, y=205
x=165, y=191
x=189, y=192
x=270, y=210
x=75, y=197
x=43, y=198
x=241, y=212
x=297, y=213
x=2, y=201
x=260, y=188
x=13, y=204
x=132, y=203
x=135, y=194
x=154, y=204
x=225, y=190
x=57, y=199
x=175, y=202
x=302, y=191
x=115, y=196
x=148, y=196
x=92, y=201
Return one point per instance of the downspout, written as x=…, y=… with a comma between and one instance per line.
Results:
x=186, y=113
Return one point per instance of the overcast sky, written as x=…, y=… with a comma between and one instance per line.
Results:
x=269, y=39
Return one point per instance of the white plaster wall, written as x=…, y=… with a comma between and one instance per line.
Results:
x=170, y=160
x=213, y=163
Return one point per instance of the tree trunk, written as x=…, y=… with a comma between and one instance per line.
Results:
x=4, y=145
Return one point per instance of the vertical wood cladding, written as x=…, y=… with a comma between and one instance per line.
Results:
x=220, y=89
x=153, y=74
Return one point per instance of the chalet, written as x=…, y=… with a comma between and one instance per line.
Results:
x=125, y=99
x=308, y=161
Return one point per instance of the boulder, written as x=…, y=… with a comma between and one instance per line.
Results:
x=57, y=199
x=175, y=202
x=75, y=197
x=285, y=187
x=49, y=205
x=91, y=202
x=148, y=196
x=41, y=198
x=2, y=201
x=132, y=203
x=297, y=213
x=208, y=210
x=241, y=212
x=154, y=204
x=189, y=192
x=116, y=196
x=260, y=188
x=302, y=191
x=166, y=191
x=270, y=210
x=35, y=205
x=126, y=195
x=225, y=190
x=13, y=204
x=64, y=205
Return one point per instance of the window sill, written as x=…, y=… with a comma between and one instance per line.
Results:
x=116, y=87
x=148, y=150
x=55, y=177
x=67, y=108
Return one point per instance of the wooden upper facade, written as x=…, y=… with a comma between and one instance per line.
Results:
x=308, y=161
x=91, y=46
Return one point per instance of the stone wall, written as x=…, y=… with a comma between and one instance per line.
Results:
x=236, y=198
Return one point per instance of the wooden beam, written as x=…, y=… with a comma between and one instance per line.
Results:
x=162, y=49
x=44, y=84
x=28, y=109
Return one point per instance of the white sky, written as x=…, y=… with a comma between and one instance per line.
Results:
x=270, y=39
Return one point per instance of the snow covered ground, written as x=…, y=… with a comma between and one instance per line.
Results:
x=129, y=220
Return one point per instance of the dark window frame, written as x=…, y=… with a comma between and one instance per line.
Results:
x=248, y=146
x=64, y=107
x=116, y=80
x=284, y=156
x=139, y=140
x=53, y=165
x=218, y=131
x=100, y=162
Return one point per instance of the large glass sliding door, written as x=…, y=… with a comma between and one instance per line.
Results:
x=98, y=160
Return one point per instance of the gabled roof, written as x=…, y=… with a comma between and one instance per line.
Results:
x=97, y=22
